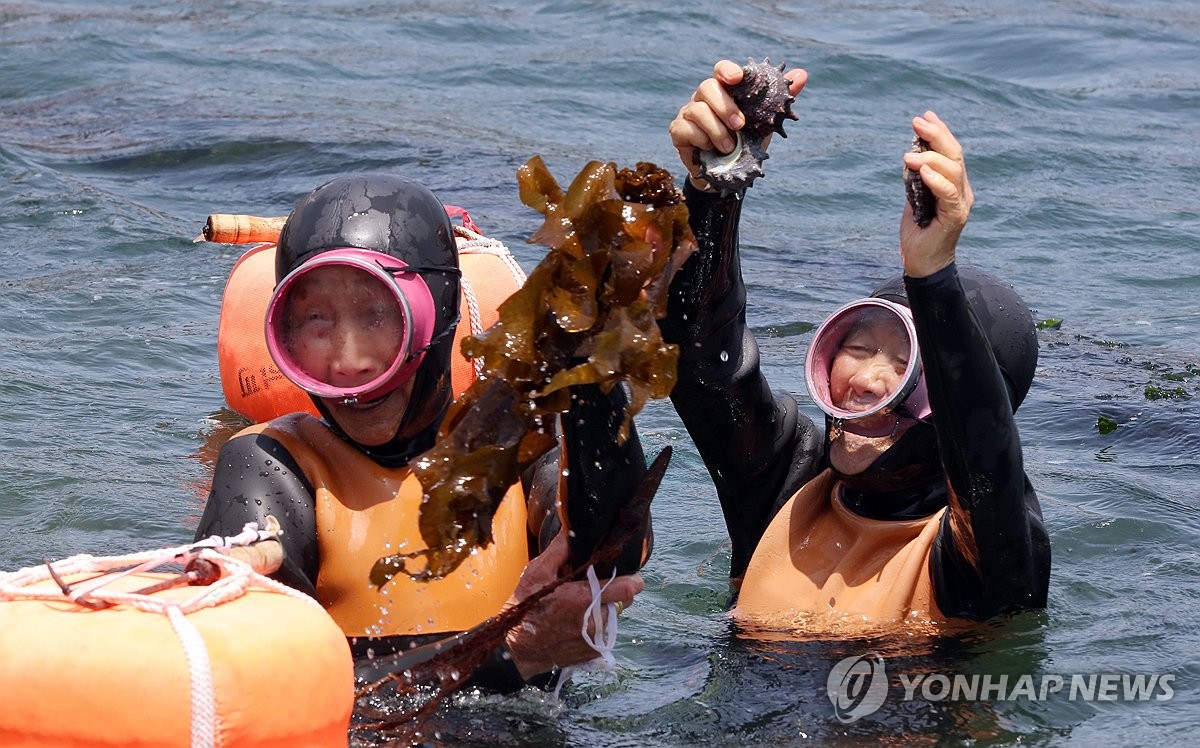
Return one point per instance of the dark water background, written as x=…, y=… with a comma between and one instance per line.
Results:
x=123, y=124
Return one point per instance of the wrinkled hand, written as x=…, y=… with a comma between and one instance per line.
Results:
x=925, y=251
x=710, y=117
x=550, y=636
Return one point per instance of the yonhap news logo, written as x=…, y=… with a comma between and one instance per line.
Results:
x=858, y=686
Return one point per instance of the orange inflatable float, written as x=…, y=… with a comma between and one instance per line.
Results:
x=142, y=661
x=254, y=386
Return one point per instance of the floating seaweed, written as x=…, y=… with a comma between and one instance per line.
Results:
x=586, y=315
x=923, y=202
x=764, y=99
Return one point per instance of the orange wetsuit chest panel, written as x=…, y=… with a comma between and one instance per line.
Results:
x=364, y=512
x=821, y=567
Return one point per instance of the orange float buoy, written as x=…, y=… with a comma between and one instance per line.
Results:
x=256, y=389
x=255, y=666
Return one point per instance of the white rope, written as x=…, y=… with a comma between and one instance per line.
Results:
x=237, y=576
x=472, y=243
x=475, y=319
x=204, y=697
x=250, y=534
x=603, y=618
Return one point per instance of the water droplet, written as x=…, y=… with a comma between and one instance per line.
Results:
x=724, y=355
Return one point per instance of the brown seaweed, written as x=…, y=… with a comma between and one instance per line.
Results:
x=923, y=202
x=764, y=99
x=586, y=315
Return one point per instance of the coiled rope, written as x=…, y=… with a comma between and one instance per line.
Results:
x=473, y=243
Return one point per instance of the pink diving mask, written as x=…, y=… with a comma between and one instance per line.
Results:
x=908, y=399
x=351, y=324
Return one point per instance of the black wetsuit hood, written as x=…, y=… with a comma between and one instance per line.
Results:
x=908, y=479
x=402, y=218
x=1004, y=318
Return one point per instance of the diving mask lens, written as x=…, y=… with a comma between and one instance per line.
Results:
x=864, y=364
x=350, y=324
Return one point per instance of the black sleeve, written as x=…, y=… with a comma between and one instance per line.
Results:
x=992, y=554
x=255, y=477
x=758, y=447
x=601, y=475
x=498, y=673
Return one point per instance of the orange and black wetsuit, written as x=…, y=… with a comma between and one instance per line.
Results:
x=342, y=508
x=975, y=544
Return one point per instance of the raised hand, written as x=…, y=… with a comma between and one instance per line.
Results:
x=926, y=250
x=710, y=117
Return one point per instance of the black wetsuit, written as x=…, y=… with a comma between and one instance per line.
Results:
x=256, y=476
x=760, y=449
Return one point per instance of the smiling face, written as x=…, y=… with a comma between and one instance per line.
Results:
x=870, y=363
x=867, y=370
x=343, y=327
x=374, y=422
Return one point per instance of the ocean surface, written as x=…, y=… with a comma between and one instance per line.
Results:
x=124, y=124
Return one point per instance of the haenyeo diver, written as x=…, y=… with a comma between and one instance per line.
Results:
x=363, y=317
x=912, y=504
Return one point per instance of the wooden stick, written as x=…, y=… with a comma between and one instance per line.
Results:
x=265, y=556
x=230, y=228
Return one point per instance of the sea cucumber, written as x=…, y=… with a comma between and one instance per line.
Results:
x=924, y=204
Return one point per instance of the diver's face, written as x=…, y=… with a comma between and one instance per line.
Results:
x=867, y=369
x=869, y=365
x=344, y=328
